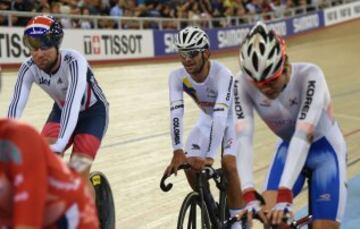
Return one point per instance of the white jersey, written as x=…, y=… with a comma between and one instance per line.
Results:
x=303, y=107
x=73, y=88
x=214, y=97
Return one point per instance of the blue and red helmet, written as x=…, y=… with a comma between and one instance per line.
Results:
x=43, y=32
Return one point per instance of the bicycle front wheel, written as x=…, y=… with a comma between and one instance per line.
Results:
x=104, y=200
x=193, y=213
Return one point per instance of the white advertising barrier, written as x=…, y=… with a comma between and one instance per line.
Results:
x=342, y=13
x=94, y=44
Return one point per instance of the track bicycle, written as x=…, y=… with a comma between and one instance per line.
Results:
x=199, y=209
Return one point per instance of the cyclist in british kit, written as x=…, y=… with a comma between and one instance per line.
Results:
x=37, y=189
x=80, y=112
x=293, y=99
x=210, y=85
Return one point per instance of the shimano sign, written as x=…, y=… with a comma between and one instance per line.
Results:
x=279, y=28
x=301, y=24
x=231, y=38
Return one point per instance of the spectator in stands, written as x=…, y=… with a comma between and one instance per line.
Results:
x=55, y=8
x=42, y=6
x=241, y=12
x=85, y=23
x=254, y=7
x=4, y=5
x=21, y=5
x=117, y=9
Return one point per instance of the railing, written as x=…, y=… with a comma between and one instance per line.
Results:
x=178, y=23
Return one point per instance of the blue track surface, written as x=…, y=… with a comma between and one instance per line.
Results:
x=352, y=212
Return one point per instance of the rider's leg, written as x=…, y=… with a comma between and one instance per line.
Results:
x=85, y=147
x=328, y=181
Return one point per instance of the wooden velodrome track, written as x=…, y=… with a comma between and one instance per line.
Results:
x=137, y=146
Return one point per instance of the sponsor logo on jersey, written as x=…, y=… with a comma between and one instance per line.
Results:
x=59, y=81
x=229, y=143
x=229, y=89
x=210, y=93
x=44, y=81
x=238, y=109
x=293, y=101
x=219, y=109
x=265, y=103
x=195, y=147
x=176, y=129
x=68, y=58
x=324, y=197
x=176, y=107
x=310, y=91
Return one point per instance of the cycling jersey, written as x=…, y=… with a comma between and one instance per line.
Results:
x=214, y=97
x=72, y=87
x=36, y=187
x=301, y=109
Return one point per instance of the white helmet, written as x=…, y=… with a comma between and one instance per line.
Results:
x=192, y=37
x=262, y=53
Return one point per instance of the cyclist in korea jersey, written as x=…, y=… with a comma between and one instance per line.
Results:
x=210, y=85
x=293, y=99
x=37, y=189
x=80, y=113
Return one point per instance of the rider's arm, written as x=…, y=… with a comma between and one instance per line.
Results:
x=245, y=131
x=314, y=100
x=29, y=180
x=176, y=111
x=70, y=112
x=225, y=83
x=21, y=91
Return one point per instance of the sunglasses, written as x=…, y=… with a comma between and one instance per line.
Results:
x=190, y=53
x=36, y=43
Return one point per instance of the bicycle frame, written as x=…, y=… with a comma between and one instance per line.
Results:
x=217, y=211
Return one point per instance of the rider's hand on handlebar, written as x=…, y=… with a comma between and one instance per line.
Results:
x=198, y=163
x=283, y=207
x=254, y=206
x=178, y=159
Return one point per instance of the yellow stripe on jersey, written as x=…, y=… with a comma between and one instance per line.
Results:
x=188, y=88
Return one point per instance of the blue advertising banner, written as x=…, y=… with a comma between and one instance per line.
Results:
x=305, y=23
x=222, y=38
x=164, y=42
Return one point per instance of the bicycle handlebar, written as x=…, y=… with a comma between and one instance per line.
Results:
x=208, y=170
x=167, y=187
x=293, y=224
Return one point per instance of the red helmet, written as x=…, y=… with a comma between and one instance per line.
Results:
x=43, y=32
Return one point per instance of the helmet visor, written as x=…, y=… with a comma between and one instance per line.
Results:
x=37, y=42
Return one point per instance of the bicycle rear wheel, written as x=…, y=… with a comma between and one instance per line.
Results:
x=104, y=200
x=193, y=213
